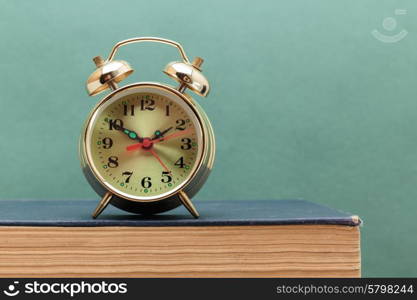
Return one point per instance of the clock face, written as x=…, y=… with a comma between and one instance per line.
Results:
x=144, y=143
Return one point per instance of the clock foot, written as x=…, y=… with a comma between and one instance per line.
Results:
x=188, y=204
x=102, y=205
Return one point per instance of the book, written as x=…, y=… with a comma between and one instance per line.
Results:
x=282, y=238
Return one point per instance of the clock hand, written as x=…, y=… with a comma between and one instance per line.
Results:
x=130, y=133
x=159, y=134
x=160, y=161
x=174, y=135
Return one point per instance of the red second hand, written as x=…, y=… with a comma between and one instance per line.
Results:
x=160, y=161
x=134, y=147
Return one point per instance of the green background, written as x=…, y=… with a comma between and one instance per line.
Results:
x=305, y=102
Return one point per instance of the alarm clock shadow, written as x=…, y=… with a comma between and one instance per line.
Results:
x=177, y=216
x=160, y=217
x=169, y=217
x=114, y=214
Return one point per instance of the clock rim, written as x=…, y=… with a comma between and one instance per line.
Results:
x=87, y=151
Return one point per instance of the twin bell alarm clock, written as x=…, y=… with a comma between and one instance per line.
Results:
x=147, y=147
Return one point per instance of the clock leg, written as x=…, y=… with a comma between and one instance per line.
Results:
x=188, y=204
x=102, y=205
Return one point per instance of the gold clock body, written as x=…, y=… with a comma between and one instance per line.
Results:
x=166, y=201
x=175, y=186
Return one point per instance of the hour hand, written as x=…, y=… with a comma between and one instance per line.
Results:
x=159, y=134
x=130, y=133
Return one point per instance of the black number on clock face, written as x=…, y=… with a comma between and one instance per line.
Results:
x=128, y=174
x=146, y=182
x=180, y=124
x=180, y=162
x=115, y=124
x=113, y=162
x=148, y=104
x=107, y=143
x=128, y=110
x=186, y=144
x=167, y=110
x=166, y=177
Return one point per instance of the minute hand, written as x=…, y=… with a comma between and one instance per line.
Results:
x=161, y=134
x=171, y=136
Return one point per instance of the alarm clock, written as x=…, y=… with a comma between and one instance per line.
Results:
x=147, y=147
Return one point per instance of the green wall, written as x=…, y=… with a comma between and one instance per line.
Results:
x=305, y=102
